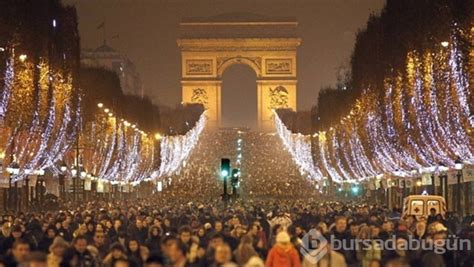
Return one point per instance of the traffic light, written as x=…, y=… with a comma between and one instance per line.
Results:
x=355, y=189
x=234, y=181
x=225, y=172
x=235, y=177
x=225, y=167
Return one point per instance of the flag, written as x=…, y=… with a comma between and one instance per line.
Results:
x=101, y=25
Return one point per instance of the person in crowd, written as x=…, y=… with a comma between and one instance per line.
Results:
x=369, y=253
x=117, y=252
x=437, y=256
x=18, y=254
x=36, y=259
x=245, y=250
x=64, y=230
x=153, y=240
x=388, y=230
x=81, y=230
x=155, y=261
x=433, y=217
x=136, y=253
x=100, y=244
x=283, y=254
x=325, y=255
x=56, y=252
x=47, y=239
x=340, y=236
x=83, y=256
x=177, y=255
x=15, y=235
x=185, y=236
x=139, y=231
x=420, y=230
x=223, y=256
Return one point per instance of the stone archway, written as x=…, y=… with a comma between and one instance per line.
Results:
x=209, y=47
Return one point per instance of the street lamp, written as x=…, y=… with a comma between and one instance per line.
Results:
x=63, y=167
x=74, y=172
x=13, y=169
x=62, y=182
x=458, y=165
x=158, y=136
x=22, y=57
x=418, y=185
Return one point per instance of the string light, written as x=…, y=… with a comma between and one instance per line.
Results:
x=176, y=149
x=423, y=118
x=299, y=146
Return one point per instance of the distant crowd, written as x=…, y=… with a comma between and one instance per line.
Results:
x=159, y=232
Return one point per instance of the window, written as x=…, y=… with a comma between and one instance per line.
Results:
x=417, y=207
x=434, y=204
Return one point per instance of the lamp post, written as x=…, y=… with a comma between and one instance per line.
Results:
x=13, y=169
x=458, y=164
x=62, y=181
x=418, y=186
x=432, y=170
x=414, y=173
x=82, y=182
x=4, y=190
x=40, y=188
x=443, y=178
x=74, y=183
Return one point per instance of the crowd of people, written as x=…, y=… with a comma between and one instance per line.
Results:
x=159, y=232
x=200, y=172
x=275, y=222
x=267, y=169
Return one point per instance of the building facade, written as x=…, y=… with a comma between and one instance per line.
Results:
x=107, y=57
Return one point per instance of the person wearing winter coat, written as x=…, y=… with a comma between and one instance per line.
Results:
x=283, y=254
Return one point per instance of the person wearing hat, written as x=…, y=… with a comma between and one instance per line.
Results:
x=56, y=251
x=283, y=254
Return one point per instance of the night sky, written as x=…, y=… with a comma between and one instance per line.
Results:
x=147, y=31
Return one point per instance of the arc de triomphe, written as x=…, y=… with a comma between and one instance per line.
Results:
x=209, y=46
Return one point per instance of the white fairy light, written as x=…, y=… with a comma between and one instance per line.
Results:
x=176, y=149
x=299, y=146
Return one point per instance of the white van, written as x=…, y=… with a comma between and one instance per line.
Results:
x=420, y=206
